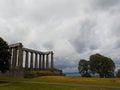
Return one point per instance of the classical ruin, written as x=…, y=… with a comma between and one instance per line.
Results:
x=24, y=59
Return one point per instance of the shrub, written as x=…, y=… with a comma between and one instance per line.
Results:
x=118, y=73
x=86, y=75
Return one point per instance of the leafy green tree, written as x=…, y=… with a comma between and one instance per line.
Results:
x=102, y=65
x=83, y=68
x=4, y=56
x=118, y=73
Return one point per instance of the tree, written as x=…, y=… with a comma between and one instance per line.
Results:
x=4, y=56
x=118, y=73
x=83, y=68
x=102, y=65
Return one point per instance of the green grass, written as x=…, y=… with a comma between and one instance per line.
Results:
x=60, y=79
x=31, y=86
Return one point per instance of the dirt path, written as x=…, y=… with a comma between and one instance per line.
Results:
x=67, y=84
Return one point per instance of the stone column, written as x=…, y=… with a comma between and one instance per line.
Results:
x=10, y=50
x=47, y=58
x=39, y=61
x=31, y=60
x=36, y=60
x=52, y=61
x=14, y=58
x=20, y=56
x=43, y=62
x=26, y=60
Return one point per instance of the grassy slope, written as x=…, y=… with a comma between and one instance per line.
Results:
x=30, y=86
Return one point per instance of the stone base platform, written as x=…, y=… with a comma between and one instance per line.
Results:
x=30, y=73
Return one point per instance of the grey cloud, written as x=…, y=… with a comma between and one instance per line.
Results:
x=48, y=45
x=86, y=38
x=116, y=34
x=105, y=4
x=115, y=30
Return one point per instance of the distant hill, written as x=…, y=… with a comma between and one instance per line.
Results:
x=72, y=73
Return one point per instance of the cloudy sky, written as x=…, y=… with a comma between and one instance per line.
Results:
x=73, y=29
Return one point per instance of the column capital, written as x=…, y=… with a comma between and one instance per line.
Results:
x=16, y=45
x=46, y=53
x=51, y=52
